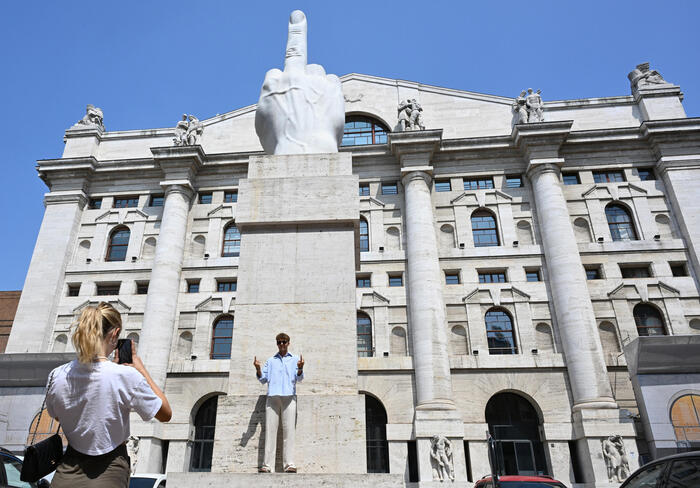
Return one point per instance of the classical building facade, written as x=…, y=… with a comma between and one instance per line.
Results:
x=506, y=251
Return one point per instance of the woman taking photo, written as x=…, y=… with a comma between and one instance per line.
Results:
x=92, y=397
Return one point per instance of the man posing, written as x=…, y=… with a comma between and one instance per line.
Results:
x=281, y=373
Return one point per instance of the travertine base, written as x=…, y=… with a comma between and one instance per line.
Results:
x=218, y=480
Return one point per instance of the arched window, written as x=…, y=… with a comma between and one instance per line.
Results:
x=484, y=229
x=685, y=418
x=118, y=243
x=364, y=336
x=221, y=338
x=361, y=131
x=364, y=235
x=515, y=426
x=377, y=445
x=648, y=320
x=232, y=241
x=620, y=223
x=203, y=442
x=43, y=427
x=499, y=332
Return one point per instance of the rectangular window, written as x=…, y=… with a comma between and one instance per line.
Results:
x=533, y=275
x=142, y=288
x=482, y=183
x=192, y=286
x=226, y=285
x=570, y=179
x=125, y=202
x=364, y=189
x=74, y=290
x=451, y=278
x=635, y=271
x=95, y=203
x=492, y=277
x=390, y=188
x=593, y=273
x=156, y=201
x=646, y=174
x=205, y=198
x=363, y=282
x=514, y=181
x=396, y=280
x=231, y=196
x=679, y=269
x=443, y=185
x=108, y=289
x=608, y=176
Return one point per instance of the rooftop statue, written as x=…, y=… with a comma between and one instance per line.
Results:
x=642, y=77
x=528, y=107
x=301, y=109
x=188, y=131
x=410, y=115
x=93, y=117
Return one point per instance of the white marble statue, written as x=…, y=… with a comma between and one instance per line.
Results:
x=188, y=131
x=642, y=76
x=410, y=115
x=132, y=449
x=93, y=117
x=615, y=458
x=520, y=108
x=301, y=109
x=534, y=106
x=441, y=458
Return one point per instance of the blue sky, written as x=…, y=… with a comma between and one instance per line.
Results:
x=145, y=63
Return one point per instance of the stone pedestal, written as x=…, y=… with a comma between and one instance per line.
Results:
x=219, y=480
x=298, y=217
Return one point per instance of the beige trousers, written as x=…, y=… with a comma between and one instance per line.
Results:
x=276, y=407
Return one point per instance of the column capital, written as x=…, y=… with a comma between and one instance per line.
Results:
x=546, y=165
x=179, y=162
x=424, y=174
x=178, y=186
x=541, y=140
x=415, y=148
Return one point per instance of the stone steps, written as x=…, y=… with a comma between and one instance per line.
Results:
x=283, y=480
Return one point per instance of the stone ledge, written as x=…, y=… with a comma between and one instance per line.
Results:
x=283, y=480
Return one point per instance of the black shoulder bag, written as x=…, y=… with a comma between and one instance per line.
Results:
x=43, y=457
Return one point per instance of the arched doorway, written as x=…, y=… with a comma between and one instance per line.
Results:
x=514, y=424
x=203, y=442
x=377, y=445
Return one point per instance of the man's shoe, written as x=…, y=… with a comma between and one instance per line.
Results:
x=264, y=469
x=290, y=469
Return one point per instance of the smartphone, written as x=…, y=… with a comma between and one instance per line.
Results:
x=124, y=348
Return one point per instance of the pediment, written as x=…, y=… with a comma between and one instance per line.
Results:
x=120, y=306
x=496, y=295
x=210, y=304
x=122, y=216
x=224, y=211
x=374, y=299
x=614, y=191
x=481, y=198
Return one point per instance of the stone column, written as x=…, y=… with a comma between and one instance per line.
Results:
x=572, y=304
x=427, y=322
x=435, y=411
x=68, y=180
x=179, y=165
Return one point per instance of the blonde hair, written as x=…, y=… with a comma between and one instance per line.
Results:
x=92, y=327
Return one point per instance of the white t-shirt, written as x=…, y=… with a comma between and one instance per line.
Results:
x=93, y=401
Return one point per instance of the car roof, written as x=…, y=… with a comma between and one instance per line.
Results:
x=148, y=475
x=676, y=456
x=510, y=477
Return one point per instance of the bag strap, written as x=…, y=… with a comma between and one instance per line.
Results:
x=41, y=412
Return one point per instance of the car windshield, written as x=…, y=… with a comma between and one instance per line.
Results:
x=141, y=482
x=530, y=484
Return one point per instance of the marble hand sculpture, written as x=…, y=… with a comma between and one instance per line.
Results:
x=301, y=109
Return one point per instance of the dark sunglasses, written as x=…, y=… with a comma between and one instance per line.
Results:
x=279, y=343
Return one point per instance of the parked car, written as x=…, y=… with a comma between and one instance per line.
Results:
x=147, y=480
x=513, y=481
x=676, y=471
x=11, y=468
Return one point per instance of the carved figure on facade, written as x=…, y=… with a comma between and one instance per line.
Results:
x=616, y=459
x=641, y=77
x=301, y=110
x=534, y=106
x=132, y=449
x=188, y=131
x=520, y=108
x=410, y=115
x=93, y=117
x=441, y=458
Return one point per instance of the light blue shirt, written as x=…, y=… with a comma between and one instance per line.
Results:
x=280, y=374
